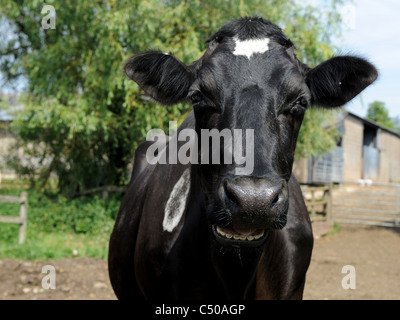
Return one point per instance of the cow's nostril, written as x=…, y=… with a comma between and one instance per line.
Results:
x=253, y=202
x=275, y=201
x=230, y=198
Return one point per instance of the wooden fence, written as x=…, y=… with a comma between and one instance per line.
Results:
x=372, y=204
x=23, y=214
x=318, y=200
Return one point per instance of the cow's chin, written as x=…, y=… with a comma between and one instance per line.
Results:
x=244, y=230
x=240, y=237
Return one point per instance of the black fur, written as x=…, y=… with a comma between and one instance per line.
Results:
x=252, y=28
x=338, y=80
x=162, y=76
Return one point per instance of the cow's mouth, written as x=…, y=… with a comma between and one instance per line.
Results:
x=239, y=237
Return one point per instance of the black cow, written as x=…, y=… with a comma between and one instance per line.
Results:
x=198, y=230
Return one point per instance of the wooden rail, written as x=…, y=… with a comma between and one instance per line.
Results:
x=325, y=200
x=104, y=190
x=375, y=204
x=23, y=214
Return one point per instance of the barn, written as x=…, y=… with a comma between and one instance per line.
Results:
x=6, y=140
x=365, y=151
x=7, y=137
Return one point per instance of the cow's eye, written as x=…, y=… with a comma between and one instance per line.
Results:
x=299, y=107
x=295, y=109
x=302, y=102
x=196, y=97
x=201, y=103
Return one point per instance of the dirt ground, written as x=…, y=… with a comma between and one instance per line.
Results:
x=374, y=253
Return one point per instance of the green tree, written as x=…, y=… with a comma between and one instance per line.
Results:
x=396, y=121
x=84, y=116
x=378, y=112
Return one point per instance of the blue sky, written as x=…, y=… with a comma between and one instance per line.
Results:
x=372, y=30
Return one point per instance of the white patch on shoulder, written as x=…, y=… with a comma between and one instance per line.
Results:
x=176, y=203
x=249, y=47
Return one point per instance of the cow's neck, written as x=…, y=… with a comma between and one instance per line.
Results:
x=235, y=267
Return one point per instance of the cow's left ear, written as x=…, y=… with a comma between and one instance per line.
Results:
x=338, y=80
x=160, y=75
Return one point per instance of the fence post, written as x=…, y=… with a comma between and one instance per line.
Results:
x=313, y=204
x=329, y=202
x=397, y=220
x=23, y=213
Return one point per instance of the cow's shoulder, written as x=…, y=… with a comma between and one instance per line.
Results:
x=142, y=167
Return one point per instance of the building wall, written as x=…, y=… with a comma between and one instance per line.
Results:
x=7, y=140
x=300, y=170
x=389, y=157
x=5, y=144
x=352, y=149
x=5, y=171
x=352, y=143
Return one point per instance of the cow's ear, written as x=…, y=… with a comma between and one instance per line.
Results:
x=162, y=76
x=338, y=80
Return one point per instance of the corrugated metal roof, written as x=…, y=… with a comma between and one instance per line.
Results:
x=372, y=123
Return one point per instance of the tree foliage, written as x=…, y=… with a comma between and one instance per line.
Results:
x=378, y=112
x=86, y=117
x=396, y=121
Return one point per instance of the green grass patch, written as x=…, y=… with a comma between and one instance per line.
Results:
x=58, y=227
x=335, y=229
x=56, y=245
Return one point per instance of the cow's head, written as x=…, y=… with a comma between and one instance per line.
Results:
x=250, y=78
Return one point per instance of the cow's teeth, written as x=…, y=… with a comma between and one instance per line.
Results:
x=240, y=236
x=258, y=236
x=222, y=233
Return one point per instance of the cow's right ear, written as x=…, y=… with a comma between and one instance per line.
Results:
x=161, y=75
x=338, y=80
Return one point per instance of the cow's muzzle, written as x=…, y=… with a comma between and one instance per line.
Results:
x=255, y=206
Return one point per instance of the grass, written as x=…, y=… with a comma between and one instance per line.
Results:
x=335, y=229
x=57, y=227
x=43, y=246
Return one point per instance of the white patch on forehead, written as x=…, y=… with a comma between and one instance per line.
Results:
x=176, y=203
x=249, y=47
